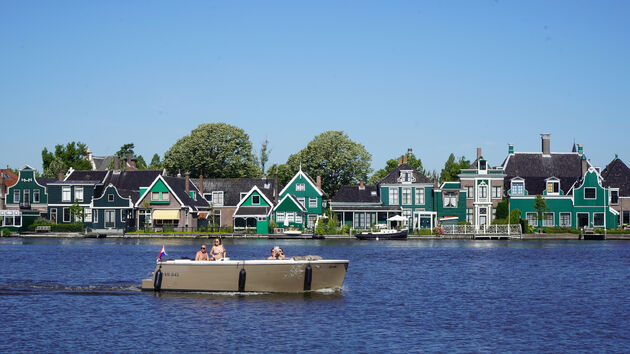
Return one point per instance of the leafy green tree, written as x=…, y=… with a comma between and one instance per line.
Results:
x=140, y=163
x=540, y=205
x=391, y=164
x=73, y=154
x=77, y=212
x=155, y=164
x=515, y=216
x=218, y=150
x=284, y=173
x=265, y=150
x=502, y=209
x=125, y=150
x=332, y=155
x=452, y=168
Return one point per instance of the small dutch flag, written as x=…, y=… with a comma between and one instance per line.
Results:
x=162, y=253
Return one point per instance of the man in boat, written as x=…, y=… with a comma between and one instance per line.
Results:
x=202, y=255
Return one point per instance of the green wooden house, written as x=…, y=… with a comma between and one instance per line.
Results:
x=26, y=200
x=308, y=193
x=290, y=213
x=253, y=212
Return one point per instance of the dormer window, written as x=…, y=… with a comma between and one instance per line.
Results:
x=614, y=196
x=483, y=165
x=553, y=186
x=267, y=185
x=406, y=177
x=518, y=187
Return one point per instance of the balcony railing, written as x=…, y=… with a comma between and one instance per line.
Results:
x=514, y=229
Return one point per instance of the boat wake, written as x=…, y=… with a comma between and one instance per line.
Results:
x=40, y=288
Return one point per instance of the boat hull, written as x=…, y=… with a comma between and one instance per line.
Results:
x=402, y=235
x=286, y=276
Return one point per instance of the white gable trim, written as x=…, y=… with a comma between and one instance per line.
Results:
x=293, y=200
x=254, y=188
x=116, y=190
x=306, y=178
x=159, y=177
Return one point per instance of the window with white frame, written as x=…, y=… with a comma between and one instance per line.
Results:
x=407, y=214
x=598, y=219
x=469, y=192
x=66, y=195
x=450, y=200
x=164, y=196
x=483, y=191
x=17, y=220
x=155, y=196
x=280, y=216
x=255, y=200
x=553, y=186
x=110, y=197
x=290, y=217
x=88, y=214
x=298, y=218
x=78, y=194
x=27, y=196
x=393, y=196
x=310, y=221
x=548, y=220
x=565, y=219
x=66, y=214
x=312, y=202
x=301, y=200
x=217, y=198
x=469, y=215
x=496, y=192
x=406, y=196
x=494, y=213
x=589, y=193
x=532, y=219
x=16, y=196
x=614, y=196
x=35, y=195
x=95, y=215
x=300, y=187
x=518, y=188
x=53, y=215
x=419, y=195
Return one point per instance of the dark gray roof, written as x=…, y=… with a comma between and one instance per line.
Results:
x=178, y=184
x=251, y=210
x=233, y=187
x=617, y=175
x=535, y=168
x=102, y=162
x=393, y=176
x=128, y=183
x=352, y=194
x=44, y=181
x=368, y=208
x=87, y=176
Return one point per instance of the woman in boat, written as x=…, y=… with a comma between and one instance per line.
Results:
x=217, y=251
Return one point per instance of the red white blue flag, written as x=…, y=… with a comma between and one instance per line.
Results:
x=162, y=253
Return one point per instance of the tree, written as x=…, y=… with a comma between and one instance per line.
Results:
x=125, y=150
x=502, y=209
x=140, y=163
x=540, y=205
x=73, y=154
x=265, y=150
x=391, y=164
x=218, y=150
x=452, y=168
x=77, y=212
x=283, y=171
x=332, y=155
x=155, y=164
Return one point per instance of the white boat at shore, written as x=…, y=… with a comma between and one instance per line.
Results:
x=294, y=275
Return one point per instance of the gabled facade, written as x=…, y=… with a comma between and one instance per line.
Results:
x=26, y=200
x=253, y=211
x=290, y=213
x=484, y=190
x=360, y=206
x=616, y=177
x=450, y=202
x=308, y=193
x=111, y=211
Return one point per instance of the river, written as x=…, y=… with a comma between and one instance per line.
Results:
x=68, y=295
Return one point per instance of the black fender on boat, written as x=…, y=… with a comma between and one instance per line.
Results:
x=308, y=277
x=157, y=281
x=241, y=280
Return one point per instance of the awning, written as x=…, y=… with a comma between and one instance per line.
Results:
x=203, y=216
x=166, y=215
x=397, y=218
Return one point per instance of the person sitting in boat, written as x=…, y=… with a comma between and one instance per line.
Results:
x=280, y=254
x=202, y=255
x=217, y=251
x=273, y=253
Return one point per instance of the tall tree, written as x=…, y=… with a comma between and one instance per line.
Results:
x=391, y=164
x=283, y=171
x=140, y=163
x=335, y=157
x=73, y=154
x=155, y=164
x=218, y=150
x=125, y=150
x=452, y=168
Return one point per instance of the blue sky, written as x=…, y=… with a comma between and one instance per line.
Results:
x=434, y=76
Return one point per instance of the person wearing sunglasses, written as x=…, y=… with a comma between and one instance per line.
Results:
x=217, y=251
x=202, y=255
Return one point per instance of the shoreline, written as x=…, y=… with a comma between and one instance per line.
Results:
x=523, y=237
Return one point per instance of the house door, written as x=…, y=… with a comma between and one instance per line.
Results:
x=110, y=218
x=483, y=217
x=582, y=219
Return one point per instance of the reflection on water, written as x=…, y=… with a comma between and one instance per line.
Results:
x=420, y=295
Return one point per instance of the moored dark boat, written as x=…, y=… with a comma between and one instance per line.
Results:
x=383, y=235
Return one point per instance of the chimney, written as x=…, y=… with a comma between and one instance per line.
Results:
x=116, y=163
x=179, y=173
x=546, y=143
x=510, y=148
x=399, y=161
x=131, y=161
x=478, y=152
x=409, y=151
x=201, y=184
x=580, y=149
x=318, y=180
x=275, y=188
x=361, y=186
x=61, y=176
x=584, y=164
x=405, y=158
x=187, y=182
x=2, y=191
